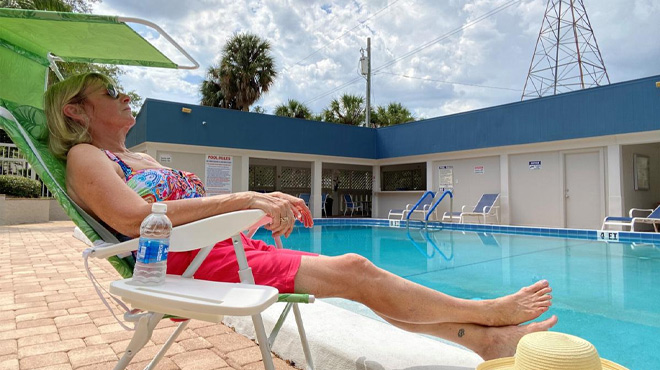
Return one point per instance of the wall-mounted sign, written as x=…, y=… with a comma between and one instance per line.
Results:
x=165, y=158
x=218, y=174
x=534, y=165
x=479, y=170
x=446, y=178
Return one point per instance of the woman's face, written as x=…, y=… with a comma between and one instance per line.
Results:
x=102, y=108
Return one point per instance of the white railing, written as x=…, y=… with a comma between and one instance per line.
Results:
x=12, y=162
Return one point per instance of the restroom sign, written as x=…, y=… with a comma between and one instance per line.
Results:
x=534, y=165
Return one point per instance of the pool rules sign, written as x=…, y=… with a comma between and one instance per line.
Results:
x=218, y=174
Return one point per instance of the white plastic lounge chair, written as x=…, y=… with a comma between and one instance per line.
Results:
x=422, y=209
x=351, y=205
x=484, y=211
x=635, y=218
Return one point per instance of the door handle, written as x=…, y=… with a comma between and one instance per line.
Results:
x=566, y=194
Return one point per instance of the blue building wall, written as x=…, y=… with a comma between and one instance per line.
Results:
x=627, y=107
x=632, y=106
x=161, y=121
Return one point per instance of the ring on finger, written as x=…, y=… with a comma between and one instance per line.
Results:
x=284, y=220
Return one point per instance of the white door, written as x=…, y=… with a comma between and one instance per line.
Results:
x=583, y=190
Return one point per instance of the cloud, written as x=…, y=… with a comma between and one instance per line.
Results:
x=316, y=45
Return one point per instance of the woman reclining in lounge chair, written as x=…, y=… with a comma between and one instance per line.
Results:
x=88, y=121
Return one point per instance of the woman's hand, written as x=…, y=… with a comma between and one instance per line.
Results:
x=284, y=209
x=301, y=212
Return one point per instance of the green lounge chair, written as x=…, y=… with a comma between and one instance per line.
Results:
x=25, y=61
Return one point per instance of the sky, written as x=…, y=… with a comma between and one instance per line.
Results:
x=434, y=57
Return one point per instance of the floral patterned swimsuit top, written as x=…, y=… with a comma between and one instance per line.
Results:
x=160, y=184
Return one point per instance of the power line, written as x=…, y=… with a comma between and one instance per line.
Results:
x=452, y=83
x=422, y=47
x=448, y=34
x=340, y=36
x=351, y=82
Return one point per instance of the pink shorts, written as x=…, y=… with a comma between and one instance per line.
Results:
x=270, y=266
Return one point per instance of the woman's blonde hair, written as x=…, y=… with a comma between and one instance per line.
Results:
x=64, y=131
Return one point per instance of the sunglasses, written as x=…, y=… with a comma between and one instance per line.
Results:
x=109, y=88
x=112, y=91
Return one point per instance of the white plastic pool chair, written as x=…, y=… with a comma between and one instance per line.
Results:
x=424, y=204
x=484, y=211
x=652, y=216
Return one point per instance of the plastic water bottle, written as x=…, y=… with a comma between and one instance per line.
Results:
x=151, y=264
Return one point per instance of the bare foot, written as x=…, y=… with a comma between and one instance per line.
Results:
x=502, y=341
x=527, y=304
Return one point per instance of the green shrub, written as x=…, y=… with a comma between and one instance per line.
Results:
x=19, y=186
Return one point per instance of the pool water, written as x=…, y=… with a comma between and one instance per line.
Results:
x=608, y=294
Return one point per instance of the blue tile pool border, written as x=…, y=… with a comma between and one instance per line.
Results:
x=586, y=234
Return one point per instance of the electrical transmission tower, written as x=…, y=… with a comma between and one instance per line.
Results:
x=566, y=56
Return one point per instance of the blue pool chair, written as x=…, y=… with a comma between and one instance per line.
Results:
x=484, y=211
x=351, y=205
x=324, y=201
x=652, y=217
x=305, y=197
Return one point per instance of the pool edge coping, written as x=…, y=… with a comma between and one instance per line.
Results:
x=584, y=234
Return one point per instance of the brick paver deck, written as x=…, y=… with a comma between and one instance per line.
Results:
x=52, y=319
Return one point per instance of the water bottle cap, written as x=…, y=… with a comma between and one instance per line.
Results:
x=159, y=208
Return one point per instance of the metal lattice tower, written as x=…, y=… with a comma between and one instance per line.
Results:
x=566, y=56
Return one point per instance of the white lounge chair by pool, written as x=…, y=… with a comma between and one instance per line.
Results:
x=635, y=217
x=425, y=203
x=484, y=211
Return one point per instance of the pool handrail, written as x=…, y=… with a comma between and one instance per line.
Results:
x=427, y=236
x=435, y=205
x=421, y=199
x=433, y=244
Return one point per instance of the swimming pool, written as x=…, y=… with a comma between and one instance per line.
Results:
x=605, y=293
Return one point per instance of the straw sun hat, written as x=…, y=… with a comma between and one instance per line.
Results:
x=547, y=350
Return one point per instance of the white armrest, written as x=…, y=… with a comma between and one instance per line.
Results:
x=634, y=210
x=463, y=209
x=194, y=235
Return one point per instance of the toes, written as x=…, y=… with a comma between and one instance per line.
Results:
x=544, y=298
x=544, y=291
x=548, y=323
x=539, y=285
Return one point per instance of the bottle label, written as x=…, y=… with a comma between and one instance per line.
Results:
x=152, y=250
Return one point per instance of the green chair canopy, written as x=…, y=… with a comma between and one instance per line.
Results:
x=28, y=38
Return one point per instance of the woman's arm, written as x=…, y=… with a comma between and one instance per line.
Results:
x=97, y=185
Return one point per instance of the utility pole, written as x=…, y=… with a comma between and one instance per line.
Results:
x=365, y=66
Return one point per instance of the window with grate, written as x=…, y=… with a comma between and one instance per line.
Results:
x=355, y=180
x=295, y=178
x=262, y=178
x=403, y=178
x=326, y=179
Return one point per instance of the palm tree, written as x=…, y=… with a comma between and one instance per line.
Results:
x=293, y=109
x=246, y=71
x=348, y=109
x=210, y=89
x=393, y=114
